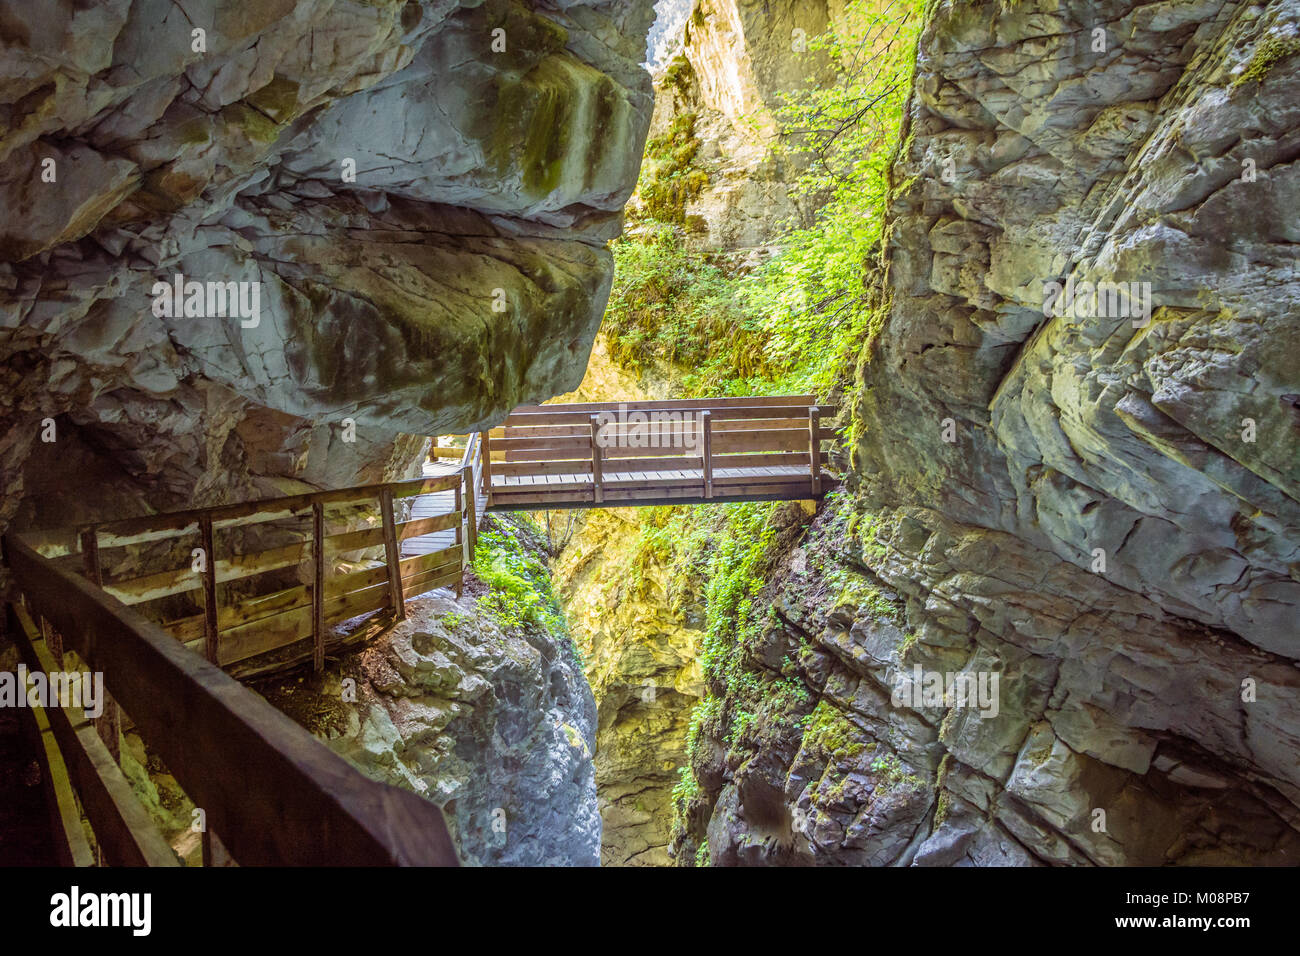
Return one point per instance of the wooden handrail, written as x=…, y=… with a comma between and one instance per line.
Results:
x=274, y=793
x=171, y=524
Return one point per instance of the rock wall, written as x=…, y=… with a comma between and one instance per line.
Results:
x=639, y=636
x=735, y=62
x=639, y=631
x=1099, y=509
x=495, y=724
x=418, y=191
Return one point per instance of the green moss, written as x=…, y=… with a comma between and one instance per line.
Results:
x=195, y=132
x=670, y=178
x=941, y=809
x=702, y=854
x=831, y=734
x=520, y=593
x=255, y=125
x=278, y=99
x=535, y=117
x=1269, y=51
x=452, y=621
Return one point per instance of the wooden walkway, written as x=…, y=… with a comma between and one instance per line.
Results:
x=444, y=502
x=163, y=604
x=617, y=454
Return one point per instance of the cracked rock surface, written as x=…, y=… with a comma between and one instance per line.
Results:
x=1114, y=530
x=496, y=726
x=422, y=190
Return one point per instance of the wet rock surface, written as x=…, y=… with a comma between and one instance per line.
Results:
x=495, y=726
x=419, y=192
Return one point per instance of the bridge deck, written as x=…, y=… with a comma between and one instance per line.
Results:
x=610, y=454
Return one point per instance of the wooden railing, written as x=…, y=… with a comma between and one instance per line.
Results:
x=664, y=452
x=169, y=606
x=273, y=793
x=257, y=586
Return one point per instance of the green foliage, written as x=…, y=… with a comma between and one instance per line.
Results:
x=893, y=774
x=830, y=733
x=669, y=177
x=508, y=560
x=799, y=322
x=671, y=306
x=816, y=292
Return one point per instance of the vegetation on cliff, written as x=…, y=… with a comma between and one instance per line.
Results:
x=508, y=560
x=798, y=322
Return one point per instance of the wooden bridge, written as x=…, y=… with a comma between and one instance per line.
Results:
x=172, y=608
x=616, y=454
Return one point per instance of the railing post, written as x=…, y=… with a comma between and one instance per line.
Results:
x=53, y=640
x=214, y=851
x=318, y=586
x=210, y=633
x=392, y=556
x=597, y=476
x=460, y=538
x=706, y=435
x=90, y=554
x=815, y=450
x=471, y=514
x=485, y=449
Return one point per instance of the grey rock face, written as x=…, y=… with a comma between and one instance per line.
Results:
x=1114, y=530
x=736, y=63
x=496, y=728
x=422, y=191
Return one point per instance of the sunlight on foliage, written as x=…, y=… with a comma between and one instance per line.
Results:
x=519, y=584
x=798, y=322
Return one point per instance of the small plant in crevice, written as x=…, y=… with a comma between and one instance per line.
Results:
x=508, y=561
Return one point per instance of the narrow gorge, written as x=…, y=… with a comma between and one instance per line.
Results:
x=1036, y=259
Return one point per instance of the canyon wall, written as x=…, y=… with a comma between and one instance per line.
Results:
x=723, y=91
x=1097, y=508
x=639, y=632
x=419, y=193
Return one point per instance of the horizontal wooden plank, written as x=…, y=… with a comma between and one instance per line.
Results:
x=157, y=527
x=372, y=537
x=123, y=828
x=151, y=587
x=717, y=427
x=732, y=401
x=429, y=581
x=620, y=498
x=574, y=449
x=722, y=414
x=771, y=459
x=542, y=468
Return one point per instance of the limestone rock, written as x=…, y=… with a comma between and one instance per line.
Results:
x=497, y=728
x=419, y=191
x=1114, y=531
